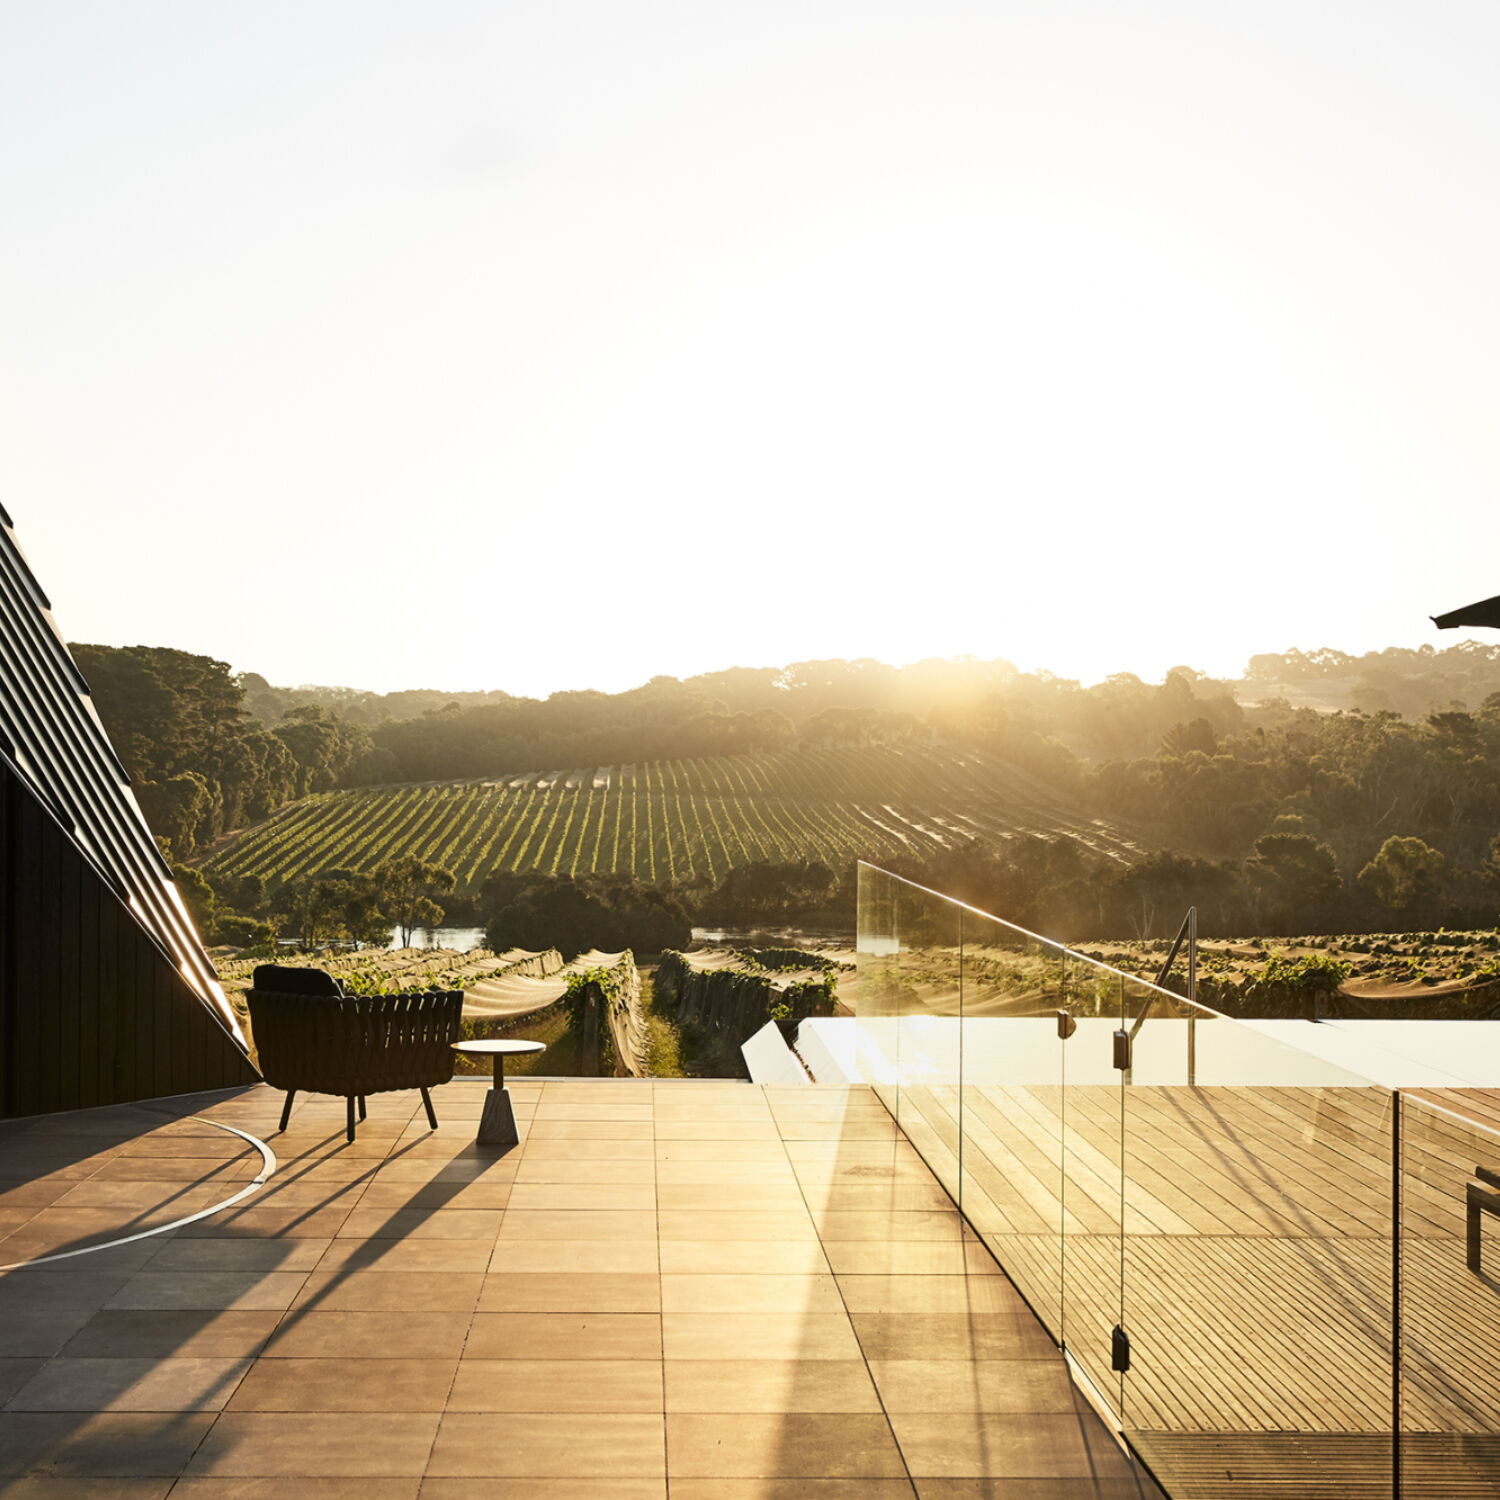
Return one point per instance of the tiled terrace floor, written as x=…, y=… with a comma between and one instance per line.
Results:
x=698, y=1289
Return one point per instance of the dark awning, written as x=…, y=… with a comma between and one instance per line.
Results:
x=1486, y=612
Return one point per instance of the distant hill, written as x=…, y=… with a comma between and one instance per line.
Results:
x=668, y=820
x=1412, y=682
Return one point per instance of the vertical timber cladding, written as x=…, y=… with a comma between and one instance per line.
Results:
x=106, y=993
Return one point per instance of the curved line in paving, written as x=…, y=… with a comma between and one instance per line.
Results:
x=267, y=1167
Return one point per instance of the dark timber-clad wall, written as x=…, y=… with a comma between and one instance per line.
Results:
x=106, y=994
x=93, y=1012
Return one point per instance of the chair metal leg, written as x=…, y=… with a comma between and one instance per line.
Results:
x=431, y=1117
x=350, y=1102
x=361, y=1106
x=286, y=1109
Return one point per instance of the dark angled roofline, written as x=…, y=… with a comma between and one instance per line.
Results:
x=52, y=738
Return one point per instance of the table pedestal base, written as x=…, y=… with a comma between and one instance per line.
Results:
x=497, y=1125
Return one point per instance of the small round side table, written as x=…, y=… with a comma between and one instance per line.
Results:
x=497, y=1125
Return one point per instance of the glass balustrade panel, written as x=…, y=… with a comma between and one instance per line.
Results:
x=1256, y=1253
x=1014, y=986
x=908, y=1006
x=1449, y=1297
x=930, y=1043
x=878, y=984
x=1199, y=1208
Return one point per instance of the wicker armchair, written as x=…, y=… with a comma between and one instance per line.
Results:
x=310, y=1036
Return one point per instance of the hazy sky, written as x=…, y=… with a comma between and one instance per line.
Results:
x=541, y=344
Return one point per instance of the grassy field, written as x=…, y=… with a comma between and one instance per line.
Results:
x=669, y=820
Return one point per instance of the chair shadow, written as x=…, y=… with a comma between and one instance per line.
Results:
x=65, y=1339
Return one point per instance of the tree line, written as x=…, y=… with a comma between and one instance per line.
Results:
x=333, y=907
x=1275, y=817
x=200, y=766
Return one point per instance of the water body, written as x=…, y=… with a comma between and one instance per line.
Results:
x=781, y=937
x=460, y=938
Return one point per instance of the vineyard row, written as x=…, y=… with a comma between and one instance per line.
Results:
x=667, y=820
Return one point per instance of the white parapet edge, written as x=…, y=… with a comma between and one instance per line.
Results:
x=827, y=1046
x=770, y=1060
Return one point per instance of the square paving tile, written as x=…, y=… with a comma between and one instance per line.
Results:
x=330, y=1173
x=592, y=1109
x=613, y=1225
x=752, y=1224
x=1003, y=1445
x=769, y=1171
x=843, y=1131
x=367, y=1335
x=253, y=1218
x=694, y=1128
x=23, y=1163
x=556, y=1336
x=238, y=1255
x=492, y=1488
x=910, y=1258
x=489, y=1168
x=895, y=1152
x=856, y=1168
x=127, y=1198
x=574, y=1446
x=293, y=1444
x=964, y=1385
x=929, y=1294
x=638, y=1196
x=758, y=1336
x=307, y=1488
x=140, y=1384
x=843, y=1195
x=584, y=1256
x=590, y=1130
x=566, y=1291
x=892, y=1224
x=58, y=1289
x=1012, y=1335
x=157, y=1334
x=14, y=1373
x=796, y=1444
x=56, y=1228
x=104, y=1445
x=642, y=1148
x=614, y=1171
x=743, y=1257
x=216, y=1146
x=690, y=1275
x=480, y=1193
x=772, y=1488
x=31, y=1332
x=106, y=1260
x=377, y=1290
x=709, y=1293
x=755, y=1114
x=740, y=1197
x=87, y=1489
x=421, y=1224
x=440, y=1257
x=1136, y=1487
x=248, y=1291
x=312, y=1385
x=557, y=1385
x=770, y=1385
x=765, y=1148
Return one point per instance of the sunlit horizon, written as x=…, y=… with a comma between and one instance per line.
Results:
x=569, y=345
x=1086, y=677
